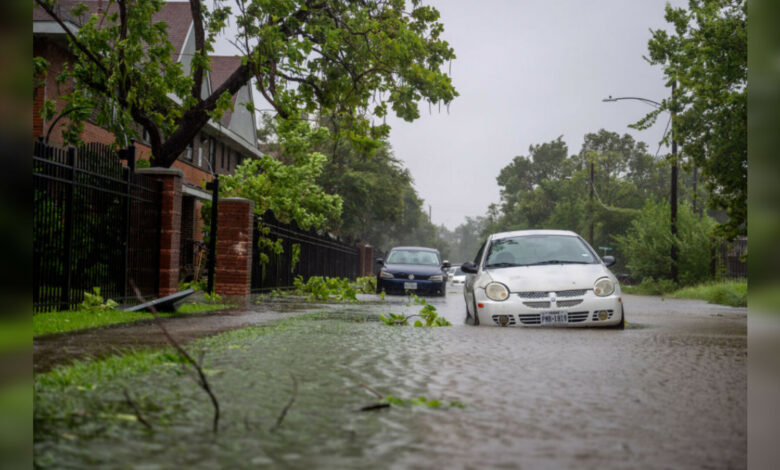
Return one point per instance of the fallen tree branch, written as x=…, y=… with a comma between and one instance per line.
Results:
x=202, y=381
x=137, y=410
x=377, y=394
x=375, y=406
x=287, y=407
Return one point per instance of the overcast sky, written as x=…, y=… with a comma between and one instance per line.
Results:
x=527, y=72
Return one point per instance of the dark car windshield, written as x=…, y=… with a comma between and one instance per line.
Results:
x=425, y=258
x=531, y=250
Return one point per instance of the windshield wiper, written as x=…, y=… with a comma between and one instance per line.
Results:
x=502, y=265
x=556, y=261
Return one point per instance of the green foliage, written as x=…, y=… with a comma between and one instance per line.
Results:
x=732, y=293
x=95, y=301
x=650, y=286
x=393, y=319
x=366, y=284
x=319, y=288
x=142, y=163
x=379, y=202
x=61, y=322
x=337, y=57
x=428, y=315
x=212, y=298
x=421, y=401
x=647, y=244
x=550, y=189
x=295, y=256
x=290, y=191
x=199, y=285
x=706, y=53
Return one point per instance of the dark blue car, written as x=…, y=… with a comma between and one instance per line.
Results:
x=412, y=269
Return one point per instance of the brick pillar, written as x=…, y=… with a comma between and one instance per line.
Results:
x=170, y=226
x=366, y=259
x=234, y=247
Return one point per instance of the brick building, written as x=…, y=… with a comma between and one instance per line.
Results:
x=218, y=148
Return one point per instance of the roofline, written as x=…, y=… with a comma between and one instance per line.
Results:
x=52, y=28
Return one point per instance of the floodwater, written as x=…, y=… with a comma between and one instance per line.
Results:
x=669, y=391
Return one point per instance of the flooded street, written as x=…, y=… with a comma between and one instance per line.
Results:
x=669, y=391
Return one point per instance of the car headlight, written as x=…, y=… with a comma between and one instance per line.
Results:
x=496, y=291
x=604, y=287
x=385, y=275
x=436, y=278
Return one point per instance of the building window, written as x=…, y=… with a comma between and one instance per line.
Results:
x=188, y=152
x=222, y=156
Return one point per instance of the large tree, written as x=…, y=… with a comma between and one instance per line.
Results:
x=307, y=57
x=706, y=54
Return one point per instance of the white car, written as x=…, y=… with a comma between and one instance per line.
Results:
x=457, y=276
x=541, y=278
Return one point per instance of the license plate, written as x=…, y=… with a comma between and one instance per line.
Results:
x=410, y=285
x=554, y=318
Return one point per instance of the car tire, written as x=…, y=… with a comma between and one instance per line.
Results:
x=476, y=316
x=622, y=324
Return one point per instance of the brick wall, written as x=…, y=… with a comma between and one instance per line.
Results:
x=234, y=247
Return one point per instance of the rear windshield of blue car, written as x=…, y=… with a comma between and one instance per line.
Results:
x=538, y=250
x=425, y=258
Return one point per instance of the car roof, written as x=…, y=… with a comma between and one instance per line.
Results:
x=523, y=233
x=419, y=248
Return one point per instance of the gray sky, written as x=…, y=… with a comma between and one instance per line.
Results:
x=527, y=72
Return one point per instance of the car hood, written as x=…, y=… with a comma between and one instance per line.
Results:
x=416, y=269
x=550, y=278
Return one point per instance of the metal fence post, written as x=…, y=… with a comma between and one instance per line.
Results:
x=214, y=186
x=129, y=155
x=68, y=236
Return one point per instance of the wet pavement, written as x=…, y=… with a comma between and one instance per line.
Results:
x=669, y=391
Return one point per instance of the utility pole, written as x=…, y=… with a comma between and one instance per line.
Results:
x=592, y=242
x=673, y=196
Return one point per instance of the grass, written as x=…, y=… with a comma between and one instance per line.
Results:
x=61, y=322
x=732, y=293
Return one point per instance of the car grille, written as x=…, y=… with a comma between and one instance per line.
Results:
x=569, y=303
x=533, y=318
x=512, y=321
x=596, y=315
x=541, y=304
x=406, y=276
x=561, y=293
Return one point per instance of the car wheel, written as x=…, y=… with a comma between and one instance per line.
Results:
x=476, y=316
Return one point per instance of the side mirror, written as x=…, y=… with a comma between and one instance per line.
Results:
x=608, y=260
x=469, y=267
x=446, y=264
x=380, y=261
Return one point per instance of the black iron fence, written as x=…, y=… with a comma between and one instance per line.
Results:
x=731, y=259
x=95, y=224
x=304, y=254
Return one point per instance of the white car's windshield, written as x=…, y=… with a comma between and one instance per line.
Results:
x=538, y=250
x=427, y=258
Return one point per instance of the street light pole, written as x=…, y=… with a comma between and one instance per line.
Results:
x=673, y=197
x=673, y=253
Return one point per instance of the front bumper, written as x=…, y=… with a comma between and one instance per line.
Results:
x=397, y=286
x=581, y=311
